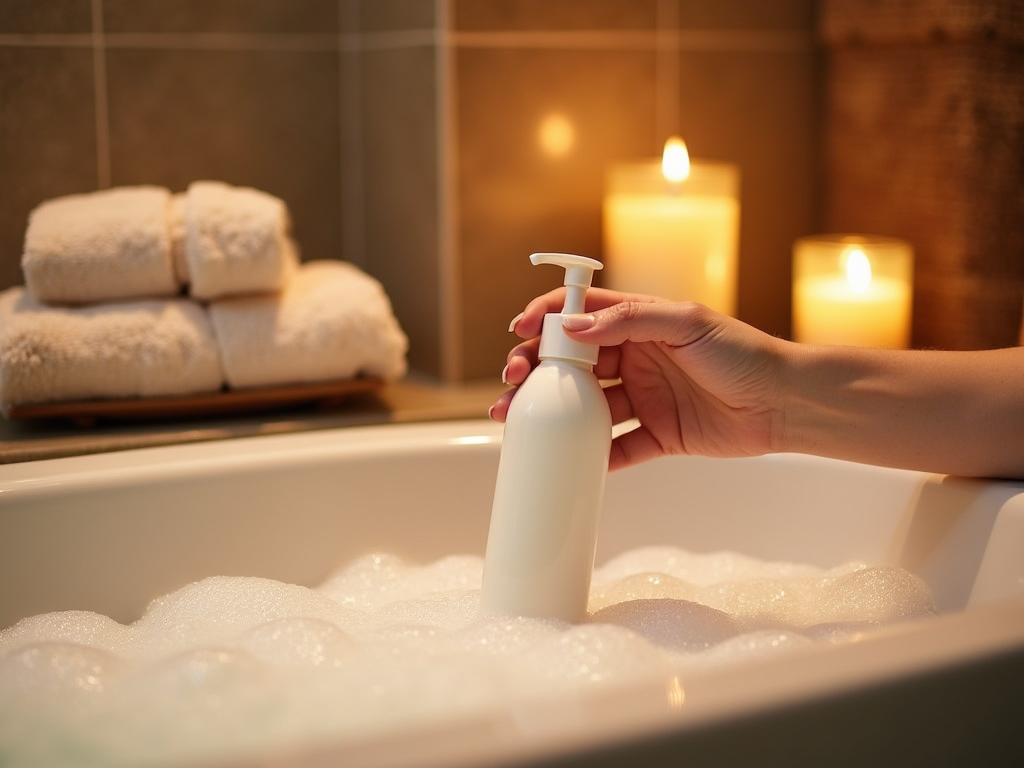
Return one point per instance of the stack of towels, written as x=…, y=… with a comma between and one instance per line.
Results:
x=137, y=292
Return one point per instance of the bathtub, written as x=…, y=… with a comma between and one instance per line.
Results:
x=109, y=532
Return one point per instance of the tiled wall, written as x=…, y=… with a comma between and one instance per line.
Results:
x=109, y=92
x=402, y=132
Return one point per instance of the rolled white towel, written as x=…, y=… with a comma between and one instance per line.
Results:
x=333, y=321
x=102, y=351
x=100, y=246
x=236, y=241
x=176, y=230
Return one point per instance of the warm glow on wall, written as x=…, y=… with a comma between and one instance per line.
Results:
x=556, y=135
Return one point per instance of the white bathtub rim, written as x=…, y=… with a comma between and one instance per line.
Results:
x=214, y=456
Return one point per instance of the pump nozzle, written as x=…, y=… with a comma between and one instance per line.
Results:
x=579, y=272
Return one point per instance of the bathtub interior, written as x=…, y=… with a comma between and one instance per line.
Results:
x=109, y=532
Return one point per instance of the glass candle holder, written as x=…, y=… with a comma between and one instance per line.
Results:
x=674, y=239
x=854, y=290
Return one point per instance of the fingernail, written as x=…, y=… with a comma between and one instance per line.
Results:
x=515, y=322
x=490, y=413
x=578, y=322
x=504, y=374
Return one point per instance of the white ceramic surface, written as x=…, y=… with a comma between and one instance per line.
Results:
x=109, y=532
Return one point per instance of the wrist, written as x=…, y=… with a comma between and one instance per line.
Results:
x=808, y=399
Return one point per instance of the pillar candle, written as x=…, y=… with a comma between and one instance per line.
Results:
x=853, y=290
x=673, y=238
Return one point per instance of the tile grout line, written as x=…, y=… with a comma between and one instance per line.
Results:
x=692, y=40
x=182, y=41
x=227, y=41
x=65, y=40
x=100, y=101
x=351, y=167
x=452, y=363
x=666, y=73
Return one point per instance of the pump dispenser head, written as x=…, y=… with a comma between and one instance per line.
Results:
x=579, y=273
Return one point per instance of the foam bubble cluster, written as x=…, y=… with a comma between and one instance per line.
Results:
x=226, y=667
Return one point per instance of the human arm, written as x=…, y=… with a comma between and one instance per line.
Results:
x=703, y=383
x=953, y=412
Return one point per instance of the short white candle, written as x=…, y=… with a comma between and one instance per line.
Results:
x=673, y=238
x=852, y=290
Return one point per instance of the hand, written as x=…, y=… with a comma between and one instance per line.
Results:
x=698, y=382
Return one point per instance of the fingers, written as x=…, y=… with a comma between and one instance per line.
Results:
x=527, y=323
x=611, y=323
x=633, y=447
x=499, y=411
x=608, y=363
x=520, y=361
x=619, y=406
x=673, y=324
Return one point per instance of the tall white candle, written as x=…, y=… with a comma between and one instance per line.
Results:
x=673, y=238
x=853, y=290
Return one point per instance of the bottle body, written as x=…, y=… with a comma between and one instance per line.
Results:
x=548, y=495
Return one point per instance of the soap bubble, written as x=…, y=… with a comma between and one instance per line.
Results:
x=76, y=627
x=297, y=642
x=676, y=624
x=233, y=666
x=202, y=702
x=590, y=654
x=640, y=586
x=50, y=697
x=877, y=594
x=217, y=609
x=507, y=636
x=372, y=581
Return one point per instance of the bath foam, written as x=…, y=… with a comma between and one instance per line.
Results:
x=227, y=667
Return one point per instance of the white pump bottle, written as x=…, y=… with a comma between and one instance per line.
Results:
x=551, y=475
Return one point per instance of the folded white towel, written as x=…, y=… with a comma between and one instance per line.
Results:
x=236, y=241
x=333, y=321
x=100, y=246
x=114, y=350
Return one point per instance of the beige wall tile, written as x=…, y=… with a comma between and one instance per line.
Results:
x=47, y=138
x=508, y=15
x=400, y=184
x=392, y=15
x=51, y=17
x=221, y=16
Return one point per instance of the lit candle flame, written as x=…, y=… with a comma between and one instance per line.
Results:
x=858, y=270
x=675, y=160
